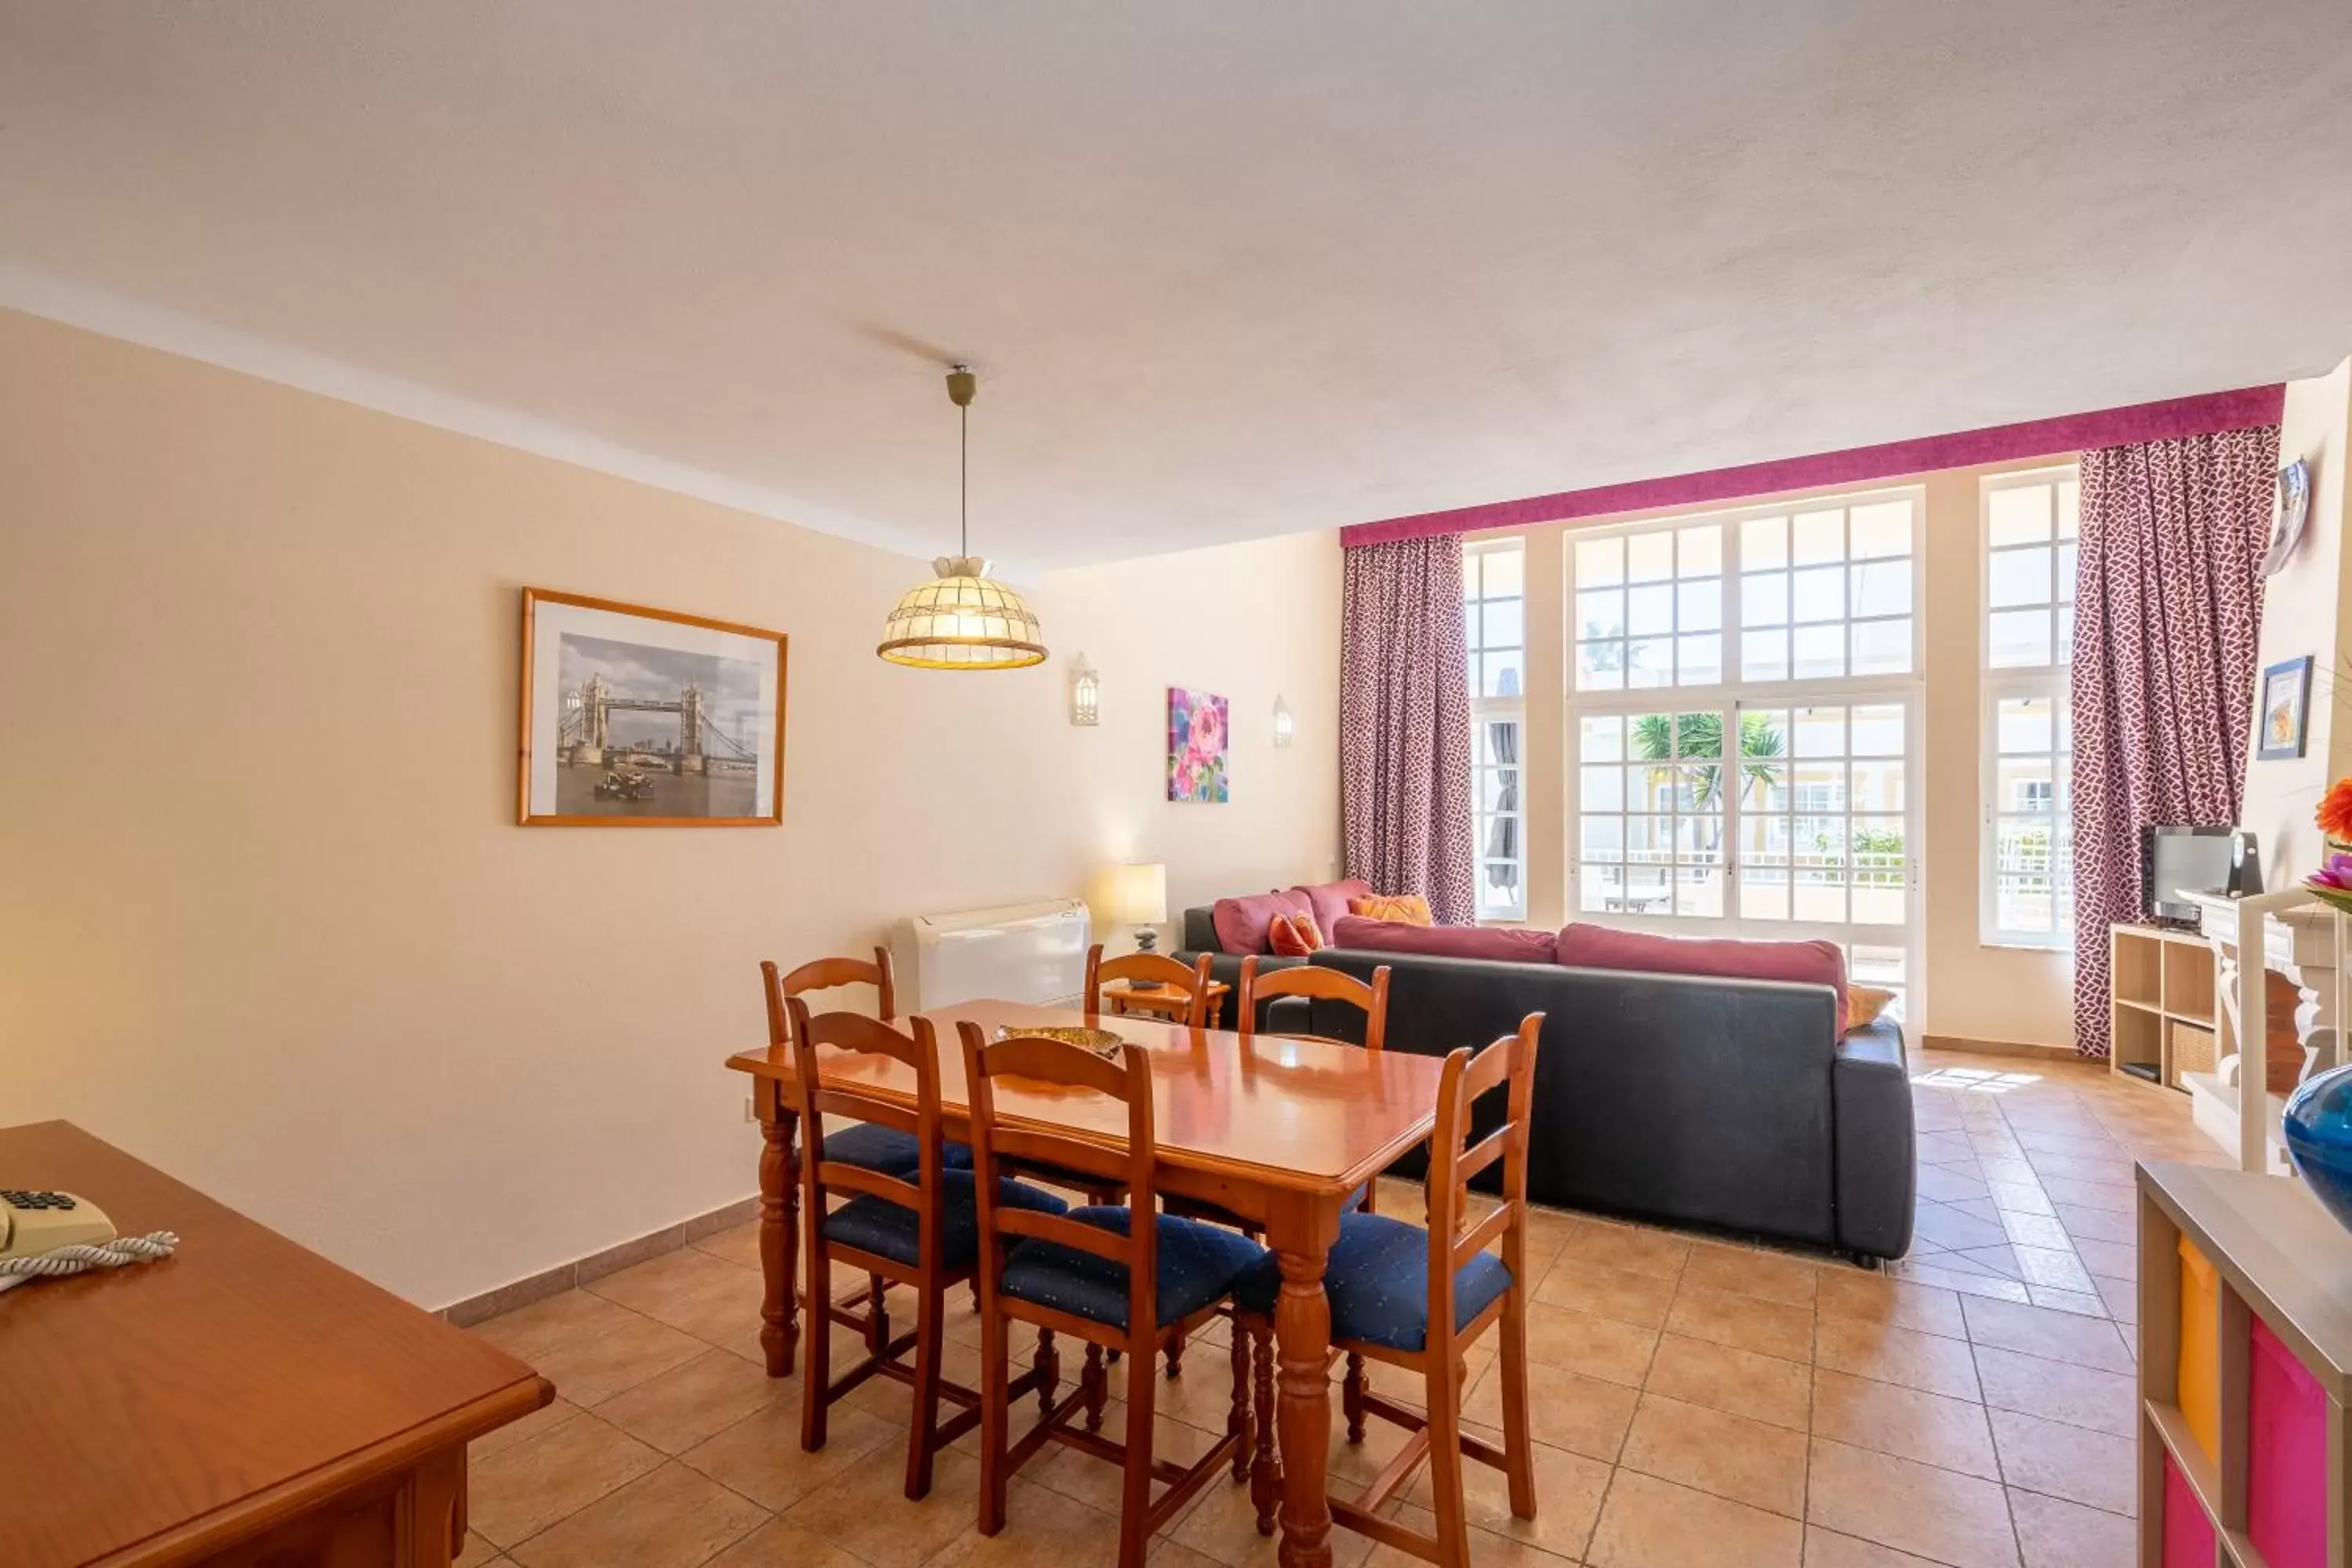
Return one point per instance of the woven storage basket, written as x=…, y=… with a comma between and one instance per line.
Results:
x=2192, y=1050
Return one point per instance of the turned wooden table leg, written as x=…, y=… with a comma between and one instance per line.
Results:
x=780, y=1205
x=430, y=1528
x=1301, y=1236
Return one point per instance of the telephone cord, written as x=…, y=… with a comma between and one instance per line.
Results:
x=65, y=1260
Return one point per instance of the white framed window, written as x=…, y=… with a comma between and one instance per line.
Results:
x=2028, y=576
x=1494, y=616
x=1820, y=591
x=2027, y=872
x=1649, y=609
x=1745, y=714
x=1651, y=812
x=1825, y=814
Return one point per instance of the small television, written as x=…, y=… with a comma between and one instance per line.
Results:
x=2178, y=858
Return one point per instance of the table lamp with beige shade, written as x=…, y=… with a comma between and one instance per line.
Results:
x=1138, y=898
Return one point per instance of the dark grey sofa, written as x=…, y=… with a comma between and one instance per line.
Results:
x=1731, y=1104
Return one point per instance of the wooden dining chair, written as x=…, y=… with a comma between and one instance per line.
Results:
x=870, y=1144
x=1309, y=981
x=1419, y=1298
x=920, y=1229
x=1150, y=969
x=1315, y=983
x=1134, y=967
x=1089, y=1273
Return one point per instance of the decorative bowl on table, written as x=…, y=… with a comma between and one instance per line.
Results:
x=1102, y=1042
x=2318, y=1126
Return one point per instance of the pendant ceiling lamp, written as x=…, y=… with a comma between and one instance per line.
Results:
x=962, y=618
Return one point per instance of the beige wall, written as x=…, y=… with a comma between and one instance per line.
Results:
x=2302, y=609
x=265, y=920
x=1970, y=991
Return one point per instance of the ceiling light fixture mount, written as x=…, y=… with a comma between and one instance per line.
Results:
x=962, y=618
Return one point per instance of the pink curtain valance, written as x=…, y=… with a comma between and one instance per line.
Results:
x=2169, y=420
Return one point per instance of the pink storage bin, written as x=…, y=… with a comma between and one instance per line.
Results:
x=2286, y=1476
x=2187, y=1533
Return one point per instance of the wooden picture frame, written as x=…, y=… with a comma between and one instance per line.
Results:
x=2283, y=710
x=700, y=705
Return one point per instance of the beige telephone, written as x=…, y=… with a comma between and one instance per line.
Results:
x=33, y=1223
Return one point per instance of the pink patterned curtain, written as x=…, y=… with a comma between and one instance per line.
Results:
x=2167, y=606
x=1404, y=724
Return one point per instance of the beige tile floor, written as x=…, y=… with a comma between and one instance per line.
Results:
x=1695, y=1401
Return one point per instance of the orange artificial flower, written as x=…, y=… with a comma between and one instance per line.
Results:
x=2335, y=815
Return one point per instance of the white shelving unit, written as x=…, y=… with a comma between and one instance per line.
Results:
x=2157, y=977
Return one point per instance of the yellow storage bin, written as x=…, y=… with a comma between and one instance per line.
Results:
x=2201, y=1348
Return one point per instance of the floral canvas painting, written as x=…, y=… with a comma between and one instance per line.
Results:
x=1196, y=746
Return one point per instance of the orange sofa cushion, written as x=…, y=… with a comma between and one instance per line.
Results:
x=1295, y=936
x=1410, y=910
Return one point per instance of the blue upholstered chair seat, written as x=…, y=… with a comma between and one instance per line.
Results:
x=870, y=1146
x=1377, y=1280
x=891, y=1230
x=1197, y=1266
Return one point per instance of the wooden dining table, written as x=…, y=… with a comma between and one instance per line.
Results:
x=1274, y=1129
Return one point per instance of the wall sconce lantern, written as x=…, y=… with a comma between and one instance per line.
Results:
x=1281, y=724
x=1086, y=694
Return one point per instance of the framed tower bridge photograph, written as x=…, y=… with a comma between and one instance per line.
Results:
x=641, y=718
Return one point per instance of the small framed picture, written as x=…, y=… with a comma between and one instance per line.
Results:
x=2285, y=710
x=640, y=718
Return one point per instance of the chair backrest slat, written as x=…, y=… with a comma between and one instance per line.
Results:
x=1150, y=969
x=1483, y=1154
x=1110, y=1166
x=1466, y=1077
x=1044, y=1059
x=1067, y=1231
x=1485, y=1070
x=838, y=1178
x=1316, y=983
x=1060, y=1065
x=857, y=1107
x=823, y=973
x=1474, y=1240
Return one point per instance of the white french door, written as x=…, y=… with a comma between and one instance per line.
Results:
x=1745, y=729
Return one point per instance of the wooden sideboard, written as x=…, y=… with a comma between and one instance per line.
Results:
x=2245, y=1368
x=244, y=1404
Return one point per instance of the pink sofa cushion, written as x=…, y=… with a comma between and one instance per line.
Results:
x=1502, y=944
x=1330, y=900
x=1243, y=923
x=1815, y=962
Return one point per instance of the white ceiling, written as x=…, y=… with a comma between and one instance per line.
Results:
x=1228, y=267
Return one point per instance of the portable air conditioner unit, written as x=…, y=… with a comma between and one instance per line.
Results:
x=1014, y=952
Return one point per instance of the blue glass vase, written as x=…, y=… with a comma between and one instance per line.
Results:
x=2319, y=1138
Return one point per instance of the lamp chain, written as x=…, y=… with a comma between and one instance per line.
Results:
x=963, y=478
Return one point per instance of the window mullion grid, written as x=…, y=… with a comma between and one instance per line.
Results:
x=1728, y=696
x=2046, y=684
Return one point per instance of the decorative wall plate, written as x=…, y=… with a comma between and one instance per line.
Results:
x=2294, y=511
